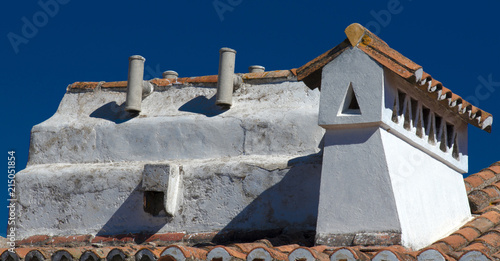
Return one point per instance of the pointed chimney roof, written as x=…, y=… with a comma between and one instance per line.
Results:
x=360, y=37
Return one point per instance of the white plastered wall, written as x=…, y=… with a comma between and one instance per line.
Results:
x=430, y=196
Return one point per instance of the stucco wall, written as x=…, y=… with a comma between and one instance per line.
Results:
x=255, y=166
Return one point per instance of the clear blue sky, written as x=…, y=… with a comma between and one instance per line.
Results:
x=49, y=44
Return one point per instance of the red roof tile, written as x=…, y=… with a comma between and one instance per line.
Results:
x=270, y=76
x=363, y=39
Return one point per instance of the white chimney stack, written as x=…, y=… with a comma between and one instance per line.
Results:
x=395, y=147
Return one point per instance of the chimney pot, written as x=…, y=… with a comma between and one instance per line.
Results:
x=256, y=69
x=170, y=74
x=137, y=88
x=225, y=83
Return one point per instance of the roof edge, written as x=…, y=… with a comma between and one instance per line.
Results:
x=361, y=38
x=250, y=78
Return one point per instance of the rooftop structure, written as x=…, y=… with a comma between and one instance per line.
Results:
x=357, y=155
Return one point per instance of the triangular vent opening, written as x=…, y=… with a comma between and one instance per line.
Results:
x=350, y=105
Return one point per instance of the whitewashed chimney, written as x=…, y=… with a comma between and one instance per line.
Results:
x=395, y=147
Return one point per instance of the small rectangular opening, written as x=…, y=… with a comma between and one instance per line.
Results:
x=425, y=115
x=438, y=125
x=414, y=111
x=401, y=100
x=450, y=130
x=154, y=202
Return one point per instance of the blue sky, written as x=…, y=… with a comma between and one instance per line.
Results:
x=49, y=44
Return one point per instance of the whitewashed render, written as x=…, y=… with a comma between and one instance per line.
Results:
x=393, y=161
x=253, y=167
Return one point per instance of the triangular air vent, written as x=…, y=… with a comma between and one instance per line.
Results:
x=350, y=105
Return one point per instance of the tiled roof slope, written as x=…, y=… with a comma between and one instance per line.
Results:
x=262, y=250
x=483, y=232
x=479, y=239
x=360, y=37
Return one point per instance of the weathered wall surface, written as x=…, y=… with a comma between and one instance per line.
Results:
x=255, y=166
x=180, y=123
x=243, y=193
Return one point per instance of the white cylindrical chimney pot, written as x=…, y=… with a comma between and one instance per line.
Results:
x=226, y=77
x=256, y=68
x=135, y=83
x=170, y=74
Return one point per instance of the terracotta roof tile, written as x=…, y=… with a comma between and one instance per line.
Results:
x=33, y=240
x=170, y=237
x=64, y=254
x=390, y=255
x=310, y=73
x=363, y=39
x=474, y=255
x=468, y=233
x=492, y=239
x=477, y=247
x=492, y=192
x=480, y=199
x=475, y=182
x=90, y=255
x=308, y=254
x=269, y=76
x=6, y=254
x=40, y=255
x=225, y=253
x=487, y=244
x=494, y=206
x=455, y=241
x=433, y=254
x=70, y=240
x=486, y=175
x=287, y=248
x=247, y=247
x=265, y=253
x=481, y=224
x=493, y=216
x=442, y=247
x=179, y=252
x=482, y=179
x=121, y=84
x=496, y=255
x=83, y=85
x=495, y=168
x=346, y=253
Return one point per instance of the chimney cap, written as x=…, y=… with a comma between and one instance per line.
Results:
x=227, y=49
x=136, y=57
x=170, y=74
x=256, y=68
